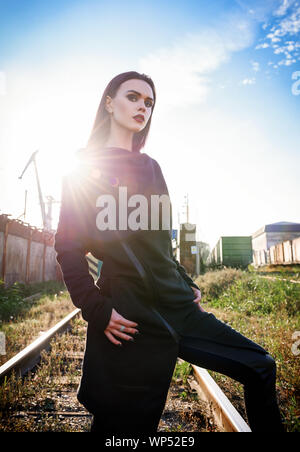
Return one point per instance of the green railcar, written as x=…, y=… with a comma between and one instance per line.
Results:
x=232, y=251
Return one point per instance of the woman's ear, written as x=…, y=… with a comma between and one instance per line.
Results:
x=108, y=104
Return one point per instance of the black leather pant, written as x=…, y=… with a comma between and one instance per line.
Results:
x=220, y=348
x=255, y=369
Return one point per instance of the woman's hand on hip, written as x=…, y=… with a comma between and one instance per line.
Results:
x=118, y=326
x=197, y=300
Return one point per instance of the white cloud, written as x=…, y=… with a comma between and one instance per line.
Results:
x=182, y=70
x=248, y=81
x=290, y=46
x=261, y=9
x=273, y=38
x=283, y=32
x=265, y=45
x=281, y=11
x=289, y=50
x=290, y=24
x=287, y=62
x=255, y=66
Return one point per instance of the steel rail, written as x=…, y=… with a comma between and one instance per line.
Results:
x=226, y=417
x=223, y=412
x=25, y=360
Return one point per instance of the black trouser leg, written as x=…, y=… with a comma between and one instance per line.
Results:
x=222, y=349
x=133, y=412
x=138, y=424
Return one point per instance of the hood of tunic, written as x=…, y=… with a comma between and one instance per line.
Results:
x=119, y=167
x=111, y=168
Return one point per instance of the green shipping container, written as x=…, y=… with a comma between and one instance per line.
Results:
x=233, y=251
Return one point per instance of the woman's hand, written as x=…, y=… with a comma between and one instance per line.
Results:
x=118, y=326
x=198, y=298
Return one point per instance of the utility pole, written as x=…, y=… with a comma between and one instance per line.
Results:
x=25, y=204
x=50, y=202
x=187, y=207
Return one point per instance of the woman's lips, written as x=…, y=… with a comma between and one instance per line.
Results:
x=139, y=119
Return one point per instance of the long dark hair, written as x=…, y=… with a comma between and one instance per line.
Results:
x=101, y=127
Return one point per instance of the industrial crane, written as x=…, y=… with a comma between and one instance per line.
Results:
x=46, y=217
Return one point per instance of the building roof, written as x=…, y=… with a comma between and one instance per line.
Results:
x=281, y=226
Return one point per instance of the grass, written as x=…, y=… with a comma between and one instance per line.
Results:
x=264, y=310
x=23, y=320
x=282, y=271
x=12, y=305
x=182, y=371
x=267, y=312
x=43, y=390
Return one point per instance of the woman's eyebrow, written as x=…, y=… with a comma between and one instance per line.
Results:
x=139, y=94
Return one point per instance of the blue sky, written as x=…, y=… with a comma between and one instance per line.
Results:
x=227, y=121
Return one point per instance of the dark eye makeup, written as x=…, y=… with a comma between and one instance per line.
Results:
x=133, y=97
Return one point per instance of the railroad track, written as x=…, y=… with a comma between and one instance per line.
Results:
x=63, y=388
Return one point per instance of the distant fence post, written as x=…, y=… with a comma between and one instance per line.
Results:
x=27, y=277
x=2, y=343
x=44, y=259
x=4, y=251
x=296, y=250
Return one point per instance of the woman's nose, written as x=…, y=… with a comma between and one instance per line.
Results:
x=142, y=107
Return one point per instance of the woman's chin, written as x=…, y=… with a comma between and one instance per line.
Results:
x=137, y=128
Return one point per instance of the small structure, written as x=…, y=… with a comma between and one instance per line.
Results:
x=187, y=247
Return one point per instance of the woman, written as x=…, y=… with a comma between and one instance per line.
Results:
x=144, y=310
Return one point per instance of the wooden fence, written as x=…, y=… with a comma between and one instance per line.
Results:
x=26, y=253
x=284, y=253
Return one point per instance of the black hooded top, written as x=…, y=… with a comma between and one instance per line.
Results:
x=100, y=173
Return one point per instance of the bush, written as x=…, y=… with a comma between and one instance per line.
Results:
x=12, y=298
x=252, y=295
x=214, y=283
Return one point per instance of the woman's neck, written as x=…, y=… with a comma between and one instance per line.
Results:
x=113, y=144
x=119, y=138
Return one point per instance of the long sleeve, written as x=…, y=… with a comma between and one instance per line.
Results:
x=185, y=276
x=71, y=245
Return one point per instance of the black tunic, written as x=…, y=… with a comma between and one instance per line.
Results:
x=137, y=373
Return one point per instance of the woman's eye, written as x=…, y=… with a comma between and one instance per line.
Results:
x=132, y=97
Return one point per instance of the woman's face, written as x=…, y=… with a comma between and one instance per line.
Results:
x=132, y=105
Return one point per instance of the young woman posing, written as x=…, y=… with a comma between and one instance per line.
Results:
x=144, y=310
